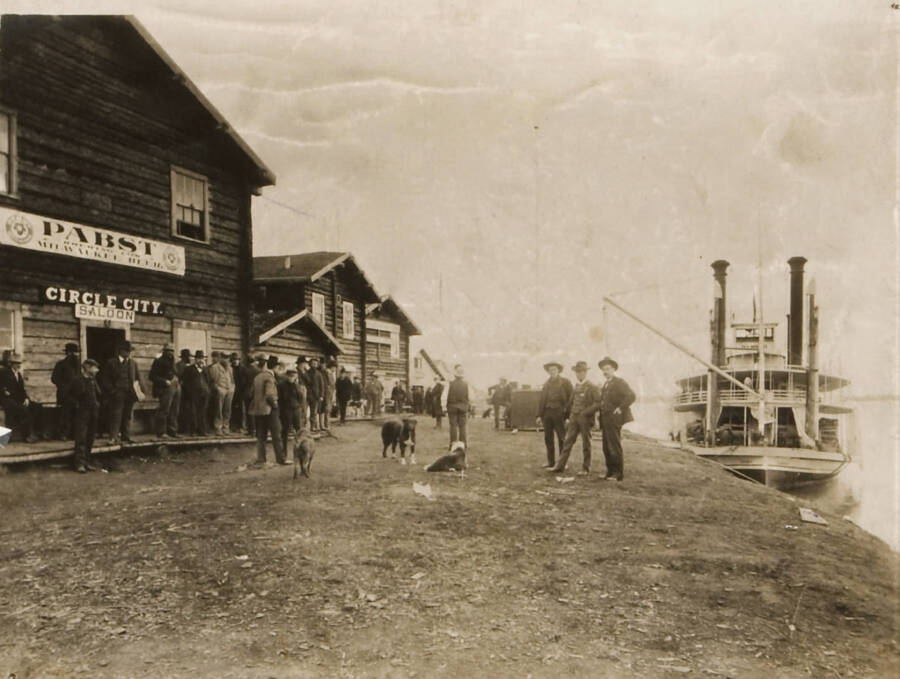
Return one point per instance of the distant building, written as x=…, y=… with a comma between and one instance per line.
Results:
x=388, y=330
x=124, y=199
x=312, y=304
x=424, y=369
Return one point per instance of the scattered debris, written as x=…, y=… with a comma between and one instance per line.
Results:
x=565, y=479
x=423, y=490
x=789, y=526
x=809, y=516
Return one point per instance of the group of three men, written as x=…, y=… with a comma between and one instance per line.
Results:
x=567, y=411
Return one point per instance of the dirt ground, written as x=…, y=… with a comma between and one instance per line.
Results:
x=190, y=565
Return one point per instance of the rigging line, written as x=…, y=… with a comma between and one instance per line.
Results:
x=288, y=207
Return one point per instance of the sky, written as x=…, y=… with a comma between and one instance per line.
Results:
x=499, y=166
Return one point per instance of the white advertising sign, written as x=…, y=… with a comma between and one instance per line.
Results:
x=34, y=232
x=103, y=313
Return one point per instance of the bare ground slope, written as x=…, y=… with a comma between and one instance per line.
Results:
x=191, y=566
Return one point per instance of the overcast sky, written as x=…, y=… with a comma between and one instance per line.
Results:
x=498, y=166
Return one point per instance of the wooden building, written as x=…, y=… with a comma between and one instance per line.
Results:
x=124, y=199
x=312, y=304
x=425, y=369
x=388, y=330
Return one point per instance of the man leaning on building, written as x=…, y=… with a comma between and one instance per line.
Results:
x=580, y=413
x=23, y=415
x=555, y=397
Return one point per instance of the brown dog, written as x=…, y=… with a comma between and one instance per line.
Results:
x=304, y=451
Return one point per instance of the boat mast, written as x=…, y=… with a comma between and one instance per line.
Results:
x=762, y=347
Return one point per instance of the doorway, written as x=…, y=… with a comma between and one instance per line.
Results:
x=101, y=343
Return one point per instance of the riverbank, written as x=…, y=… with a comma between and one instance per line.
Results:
x=194, y=565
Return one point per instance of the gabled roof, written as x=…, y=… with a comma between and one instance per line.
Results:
x=266, y=176
x=434, y=366
x=390, y=306
x=276, y=323
x=306, y=267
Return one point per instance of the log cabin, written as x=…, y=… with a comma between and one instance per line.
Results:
x=125, y=199
x=388, y=329
x=312, y=304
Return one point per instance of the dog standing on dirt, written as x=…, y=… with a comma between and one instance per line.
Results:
x=403, y=432
x=454, y=461
x=304, y=451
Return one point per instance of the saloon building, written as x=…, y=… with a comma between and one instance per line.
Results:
x=388, y=330
x=124, y=199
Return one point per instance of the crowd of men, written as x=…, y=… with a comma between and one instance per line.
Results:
x=196, y=397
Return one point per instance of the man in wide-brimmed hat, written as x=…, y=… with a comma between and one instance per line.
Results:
x=64, y=372
x=23, y=415
x=196, y=394
x=580, y=413
x=117, y=381
x=555, y=397
x=166, y=388
x=616, y=398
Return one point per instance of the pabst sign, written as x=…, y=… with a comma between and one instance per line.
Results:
x=34, y=232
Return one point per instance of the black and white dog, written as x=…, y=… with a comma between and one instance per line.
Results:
x=403, y=432
x=454, y=461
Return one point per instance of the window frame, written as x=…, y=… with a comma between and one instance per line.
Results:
x=175, y=170
x=17, y=334
x=348, y=331
x=317, y=296
x=12, y=154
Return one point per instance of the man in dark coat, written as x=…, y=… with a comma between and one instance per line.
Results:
x=237, y=403
x=184, y=406
x=399, y=397
x=580, y=412
x=23, y=415
x=117, y=382
x=555, y=397
x=616, y=398
x=253, y=367
x=64, y=372
x=84, y=394
x=167, y=389
x=196, y=394
x=344, y=391
x=291, y=405
x=437, y=406
x=315, y=393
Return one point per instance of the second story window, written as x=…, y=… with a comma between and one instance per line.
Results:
x=190, y=205
x=348, y=325
x=318, y=307
x=7, y=153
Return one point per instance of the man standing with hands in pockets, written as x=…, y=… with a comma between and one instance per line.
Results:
x=616, y=398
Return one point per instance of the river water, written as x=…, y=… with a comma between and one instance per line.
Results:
x=867, y=490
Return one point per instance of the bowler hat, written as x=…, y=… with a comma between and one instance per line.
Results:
x=581, y=365
x=125, y=346
x=235, y=356
x=185, y=353
x=90, y=361
x=606, y=360
x=301, y=359
x=72, y=347
x=557, y=364
x=199, y=354
x=168, y=347
x=215, y=354
x=14, y=358
x=259, y=358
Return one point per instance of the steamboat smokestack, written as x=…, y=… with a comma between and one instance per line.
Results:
x=795, y=320
x=718, y=340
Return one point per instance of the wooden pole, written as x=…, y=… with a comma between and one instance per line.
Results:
x=683, y=349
